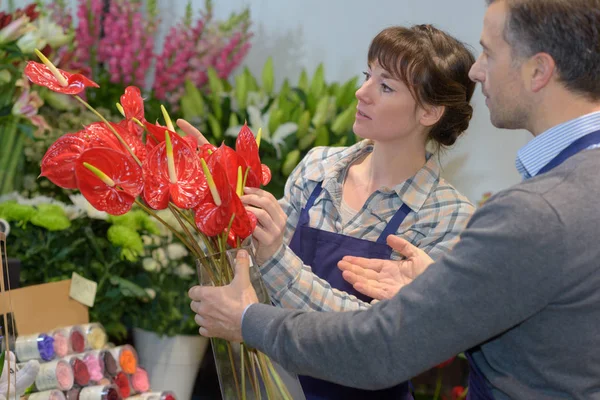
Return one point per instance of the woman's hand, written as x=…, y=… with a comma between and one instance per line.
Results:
x=271, y=222
x=191, y=131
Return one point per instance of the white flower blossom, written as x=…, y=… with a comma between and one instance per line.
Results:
x=150, y=264
x=176, y=251
x=151, y=293
x=81, y=202
x=184, y=271
x=160, y=256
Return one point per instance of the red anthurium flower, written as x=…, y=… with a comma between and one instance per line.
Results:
x=445, y=363
x=246, y=146
x=130, y=137
x=172, y=171
x=109, y=179
x=58, y=164
x=230, y=160
x=243, y=225
x=207, y=150
x=156, y=135
x=133, y=107
x=39, y=74
x=457, y=393
x=214, y=213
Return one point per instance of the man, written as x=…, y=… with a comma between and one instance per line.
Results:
x=520, y=292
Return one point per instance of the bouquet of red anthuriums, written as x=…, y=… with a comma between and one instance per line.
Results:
x=117, y=165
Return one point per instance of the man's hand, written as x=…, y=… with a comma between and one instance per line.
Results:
x=271, y=219
x=191, y=131
x=382, y=279
x=219, y=309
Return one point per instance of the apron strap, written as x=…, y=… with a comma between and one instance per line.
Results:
x=394, y=224
x=580, y=144
x=313, y=196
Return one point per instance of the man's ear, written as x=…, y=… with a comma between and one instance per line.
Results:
x=541, y=68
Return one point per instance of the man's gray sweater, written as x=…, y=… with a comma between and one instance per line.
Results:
x=523, y=283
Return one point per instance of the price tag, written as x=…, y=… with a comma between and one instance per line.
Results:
x=83, y=290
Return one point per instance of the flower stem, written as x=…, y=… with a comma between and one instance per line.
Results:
x=109, y=126
x=280, y=385
x=438, y=384
x=243, y=371
x=235, y=377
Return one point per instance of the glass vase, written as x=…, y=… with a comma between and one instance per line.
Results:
x=245, y=373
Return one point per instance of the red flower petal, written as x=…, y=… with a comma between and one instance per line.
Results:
x=266, y=174
x=244, y=222
x=131, y=137
x=206, y=151
x=246, y=146
x=132, y=103
x=39, y=74
x=211, y=219
x=190, y=187
x=58, y=164
x=230, y=161
x=121, y=168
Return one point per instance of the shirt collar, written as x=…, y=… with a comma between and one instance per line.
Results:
x=543, y=148
x=413, y=192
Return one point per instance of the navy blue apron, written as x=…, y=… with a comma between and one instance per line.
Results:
x=478, y=387
x=322, y=250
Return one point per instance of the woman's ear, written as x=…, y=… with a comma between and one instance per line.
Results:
x=430, y=115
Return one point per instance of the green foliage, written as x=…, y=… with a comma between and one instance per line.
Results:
x=293, y=120
x=143, y=274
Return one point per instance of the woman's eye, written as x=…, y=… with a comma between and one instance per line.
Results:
x=386, y=88
x=367, y=75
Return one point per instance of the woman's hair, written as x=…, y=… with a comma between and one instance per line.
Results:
x=435, y=67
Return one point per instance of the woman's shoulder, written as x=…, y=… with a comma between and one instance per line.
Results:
x=444, y=195
x=321, y=160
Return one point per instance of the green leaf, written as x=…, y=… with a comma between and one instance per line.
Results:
x=128, y=288
x=214, y=82
x=268, y=77
x=241, y=90
x=215, y=127
x=322, y=137
x=317, y=85
x=291, y=160
x=303, y=81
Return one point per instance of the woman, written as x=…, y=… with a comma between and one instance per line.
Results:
x=346, y=201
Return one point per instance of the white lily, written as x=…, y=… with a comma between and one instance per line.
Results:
x=256, y=120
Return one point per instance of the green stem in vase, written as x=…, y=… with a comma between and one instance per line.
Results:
x=231, y=360
x=265, y=376
x=243, y=366
x=280, y=385
x=252, y=372
x=438, y=384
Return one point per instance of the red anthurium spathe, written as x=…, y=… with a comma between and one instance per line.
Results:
x=133, y=107
x=214, y=213
x=230, y=160
x=247, y=147
x=243, y=224
x=109, y=179
x=207, y=150
x=132, y=138
x=156, y=135
x=42, y=75
x=172, y=171
x=58, y=164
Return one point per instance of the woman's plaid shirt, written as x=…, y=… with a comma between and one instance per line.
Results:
x=439, y=214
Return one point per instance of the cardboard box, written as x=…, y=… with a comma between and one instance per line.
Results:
x=42, y=308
